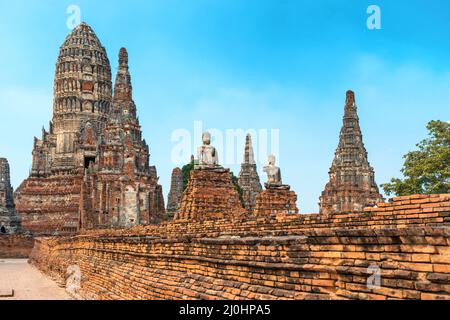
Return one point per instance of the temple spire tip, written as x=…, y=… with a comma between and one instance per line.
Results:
x=123, y=56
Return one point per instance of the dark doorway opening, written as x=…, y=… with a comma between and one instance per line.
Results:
x=88, y=161
x=3, y=229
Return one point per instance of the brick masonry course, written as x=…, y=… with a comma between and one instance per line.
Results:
x=274, y=257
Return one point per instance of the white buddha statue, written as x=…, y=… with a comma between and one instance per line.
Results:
x=273, y=172
x=206, y=154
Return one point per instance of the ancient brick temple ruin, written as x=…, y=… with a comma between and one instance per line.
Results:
x=210, y=192
x=9, y=221
x=91, y=175
x=248, y=177
x=214, y=249
x=175, y=193
x=92, y=141
x=352, y=184
x=120, y=189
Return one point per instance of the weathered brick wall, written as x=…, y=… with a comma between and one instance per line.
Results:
x=412, y=211
x=276, y=200
x=15, y=246
x=279, y=257
x=333, y=264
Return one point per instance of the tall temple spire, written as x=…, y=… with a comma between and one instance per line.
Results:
x=352, y=183
x=123, y=124
x=123, y=91
x=122, y=171
x=248, y=176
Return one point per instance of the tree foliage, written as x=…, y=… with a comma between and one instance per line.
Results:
x=426, y=170
x=186, y=172
x=238, y=187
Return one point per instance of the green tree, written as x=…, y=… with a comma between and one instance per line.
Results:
x=238, y=187
x=426, y=170
x=186, y=172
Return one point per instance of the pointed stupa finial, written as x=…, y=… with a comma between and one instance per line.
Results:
x=123, y=57
x=249, y=156
x=350, y=97
x=122, y=86
x=350, y=103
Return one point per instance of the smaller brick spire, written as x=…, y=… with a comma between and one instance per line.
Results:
x=176, y=192
x=248, y=176
x=5, y=184
x=352, y=179
x=9, y=221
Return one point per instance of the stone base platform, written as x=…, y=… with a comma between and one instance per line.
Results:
x=210, y=194
x=276, y=199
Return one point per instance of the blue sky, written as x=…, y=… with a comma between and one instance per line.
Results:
x=244, y=64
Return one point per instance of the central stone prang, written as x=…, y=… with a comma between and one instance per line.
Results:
x=207, y=156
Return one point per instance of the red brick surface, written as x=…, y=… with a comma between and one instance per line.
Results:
x=15, y=246
x=274, y=257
